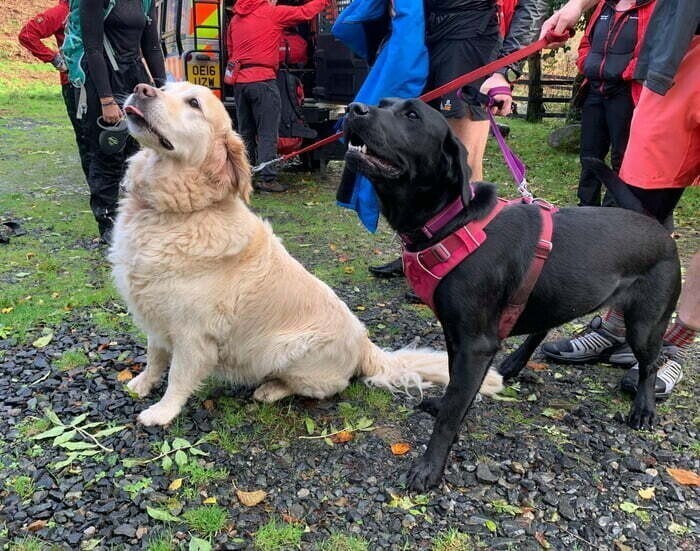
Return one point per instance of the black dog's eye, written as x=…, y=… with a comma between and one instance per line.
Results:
x=194, y=102
x=412, y=115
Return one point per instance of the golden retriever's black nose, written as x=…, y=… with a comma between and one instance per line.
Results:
x=358, y=109
x=144, y=91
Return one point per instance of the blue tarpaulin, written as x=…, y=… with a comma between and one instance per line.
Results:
x=400, y=71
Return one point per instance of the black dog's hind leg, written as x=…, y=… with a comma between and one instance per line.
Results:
x=516, y=361
x=646, y=321
x=469, y=362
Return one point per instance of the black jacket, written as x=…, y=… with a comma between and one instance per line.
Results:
x=672, y=27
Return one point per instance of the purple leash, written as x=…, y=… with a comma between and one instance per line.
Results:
x=513, y=162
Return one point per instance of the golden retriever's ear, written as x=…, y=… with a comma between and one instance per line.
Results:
x=238, y=166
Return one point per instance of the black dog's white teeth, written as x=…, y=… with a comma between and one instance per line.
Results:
x=359, y=148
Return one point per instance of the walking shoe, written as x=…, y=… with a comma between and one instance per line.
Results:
x=667, y=377
x=593, y=344
x=273, y=186
x=386, y=271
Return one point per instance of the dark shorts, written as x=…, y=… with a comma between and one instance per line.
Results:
x=450, y=59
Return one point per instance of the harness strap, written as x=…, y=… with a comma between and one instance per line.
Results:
x=109, y=50
x=81, y=108
x=518, y=300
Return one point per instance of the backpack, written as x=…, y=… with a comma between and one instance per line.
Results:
x=292, y=129
x=73, y=49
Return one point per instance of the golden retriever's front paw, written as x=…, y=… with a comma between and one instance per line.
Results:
x=140, y=385
x=158, y=414
x=271, y=391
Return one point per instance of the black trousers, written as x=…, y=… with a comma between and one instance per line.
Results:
x=258, y=110
x=80, y=139
x=105, y=171
x=605, y=127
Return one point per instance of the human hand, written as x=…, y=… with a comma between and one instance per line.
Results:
x=504, y=101
x=563, y=19
x=59, y=63
x=111, y=114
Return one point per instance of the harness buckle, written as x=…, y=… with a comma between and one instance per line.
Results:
x=440, y=252
x=543, y=248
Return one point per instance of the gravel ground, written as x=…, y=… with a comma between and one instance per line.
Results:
x=549, y=466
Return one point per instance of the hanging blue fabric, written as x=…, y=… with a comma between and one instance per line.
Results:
x=400, y=71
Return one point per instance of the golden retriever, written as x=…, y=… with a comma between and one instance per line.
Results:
x=213, y=288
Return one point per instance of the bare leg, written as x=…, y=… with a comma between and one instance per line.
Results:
x=689, y=301
x=158, y=358
x=192, y=363
x=473, y=135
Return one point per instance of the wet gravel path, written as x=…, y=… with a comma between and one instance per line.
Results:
x=550, y=466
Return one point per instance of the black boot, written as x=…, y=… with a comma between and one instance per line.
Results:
x=392, y=269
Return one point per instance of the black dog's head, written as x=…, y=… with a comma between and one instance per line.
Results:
x=408, y=152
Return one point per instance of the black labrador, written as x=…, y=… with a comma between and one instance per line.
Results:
x=600, y=256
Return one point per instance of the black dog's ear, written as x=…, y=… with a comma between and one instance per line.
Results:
x=457, y=170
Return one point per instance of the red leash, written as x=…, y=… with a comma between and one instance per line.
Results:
x=486, y=70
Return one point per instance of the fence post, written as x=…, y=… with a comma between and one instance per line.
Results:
x=535, y=108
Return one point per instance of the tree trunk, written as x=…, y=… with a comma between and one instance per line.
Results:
x=535, y=108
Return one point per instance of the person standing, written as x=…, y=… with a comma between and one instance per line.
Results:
x=44, y=25
x=463, y=35
x=116, y=46
x=607, y=57
x=253, y=37
x=661, y=160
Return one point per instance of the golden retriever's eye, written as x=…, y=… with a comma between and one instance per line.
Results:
x=412, y=115
x=194, y=102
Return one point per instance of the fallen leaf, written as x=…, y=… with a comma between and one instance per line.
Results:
x=36, y=525
x=104, y=346
x=124, y=375
x=175, y=484
x=349, y=270
x=7, y=310
x=619, y=546
x=400, y=448
x=678, y=529
x=141, y=531
x=210, y=501
x=537, y=366
x=251, y=499
x=360, y=308
x=41, y=342
x=208, y=405
x=647, y=493
x=544, y=544
x=687, y=478
x=343, y=258
x=342, y=437
x=289, y=519
x=628, y=507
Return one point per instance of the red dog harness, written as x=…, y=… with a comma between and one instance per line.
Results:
x=425, y=269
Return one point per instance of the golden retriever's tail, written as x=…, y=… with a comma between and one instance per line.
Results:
x=409, y=368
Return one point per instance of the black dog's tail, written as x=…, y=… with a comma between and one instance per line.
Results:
x=616, y=185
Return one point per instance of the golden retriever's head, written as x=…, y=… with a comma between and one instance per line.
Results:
x=189, y=125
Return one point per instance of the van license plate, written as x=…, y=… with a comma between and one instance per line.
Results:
x=204, y=73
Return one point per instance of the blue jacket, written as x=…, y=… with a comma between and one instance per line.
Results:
x=400, y=71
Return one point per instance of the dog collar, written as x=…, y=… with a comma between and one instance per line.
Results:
x=440, y=220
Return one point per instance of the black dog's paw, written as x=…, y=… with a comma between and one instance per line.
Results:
x=511, y=366
x=423, y=476
x=642, y=417
x=431, y=406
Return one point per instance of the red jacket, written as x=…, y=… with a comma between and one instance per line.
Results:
x=255, y=33
x=644, y=9
x=48, y=23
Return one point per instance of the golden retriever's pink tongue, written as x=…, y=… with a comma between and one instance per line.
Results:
x=132, y=110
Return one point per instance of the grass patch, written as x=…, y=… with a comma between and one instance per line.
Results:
x=22, y=485
x=207, y=519
x=70, y=359
x=198, y=475
x=277, y=535
x=31, y=543
x=162, y=541
x=343, y=542
x=31, y=426
x=452, y=540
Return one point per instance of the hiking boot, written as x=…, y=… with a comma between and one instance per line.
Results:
x=593, y=344
x=387, y=271
x=667, y=377
x=273, y=186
